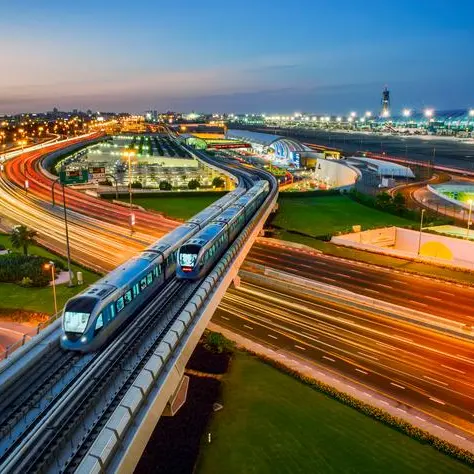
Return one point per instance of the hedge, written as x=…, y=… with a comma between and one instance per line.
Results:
x=165, y=194
x=17, y=268
x=308, y=194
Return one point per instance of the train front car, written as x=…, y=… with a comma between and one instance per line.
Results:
x=80, y=323
x=201, y=252
x=94, y=317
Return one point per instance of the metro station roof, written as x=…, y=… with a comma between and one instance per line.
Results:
x=381, y=167
x=267, y=139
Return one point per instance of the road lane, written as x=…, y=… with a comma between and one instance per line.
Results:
x=418, y=367
x=440, y=298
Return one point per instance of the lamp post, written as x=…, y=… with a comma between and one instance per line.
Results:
x=47, y=266
x=421, y=228
x=469, y=218
x=129, y=155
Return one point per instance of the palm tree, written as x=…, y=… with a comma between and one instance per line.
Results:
x=22, y=237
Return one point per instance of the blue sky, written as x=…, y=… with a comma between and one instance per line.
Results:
x=323, y=56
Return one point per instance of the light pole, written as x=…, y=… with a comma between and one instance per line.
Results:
x=129, y=155
x=47, y=266
x=68, y=250
x=469, y=218
x=421, y=228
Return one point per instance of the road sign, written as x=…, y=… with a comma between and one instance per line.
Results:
x=97, y=173
x=73, y=176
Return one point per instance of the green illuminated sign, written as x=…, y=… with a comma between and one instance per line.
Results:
x=73, y=176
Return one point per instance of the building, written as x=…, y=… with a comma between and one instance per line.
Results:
x=282, y=148
x=385, y=112
x=445, y=122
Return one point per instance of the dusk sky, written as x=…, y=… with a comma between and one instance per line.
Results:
x=321, y=56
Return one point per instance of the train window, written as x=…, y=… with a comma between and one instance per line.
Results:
x=128, y=297
x=99, y=322
x=120, y=304
x=136, y=290
x=75, y=321
x=143, y=284
x=155, y=272
x=112, y=311
x=149, y=278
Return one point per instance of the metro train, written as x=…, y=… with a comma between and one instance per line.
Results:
x=200, y=253
x=91, y=318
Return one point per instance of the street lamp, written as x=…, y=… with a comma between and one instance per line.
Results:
x=406, y=112
x=51, y=266
x=421, y=228
x=469, y=201
x=129, y=155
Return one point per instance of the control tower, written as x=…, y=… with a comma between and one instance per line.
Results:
x=385, y=103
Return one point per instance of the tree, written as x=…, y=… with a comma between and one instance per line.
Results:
x=217, y=343
x=165, y=186
x=194, y=184
x=218, y=182
x=136, y=185
x=399, y=202
x=383, y=200
x=22, y=237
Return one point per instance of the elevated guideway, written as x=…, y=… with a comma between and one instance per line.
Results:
x=95, y=412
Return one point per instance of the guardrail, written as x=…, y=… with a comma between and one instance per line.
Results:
x=27, y=337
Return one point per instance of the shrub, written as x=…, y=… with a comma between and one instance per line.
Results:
x=26, y=282
x=218, y=182
x=136, y=185
x=217, y=343
x=194, y=184
x=14, y=268
x=165, y=186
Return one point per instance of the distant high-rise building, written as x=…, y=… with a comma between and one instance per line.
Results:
x=385, y=112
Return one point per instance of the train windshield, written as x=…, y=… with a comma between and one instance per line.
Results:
x=188, y=255
x=75, y=322
x=77, y=313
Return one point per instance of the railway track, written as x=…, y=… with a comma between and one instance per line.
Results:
x=78, y=412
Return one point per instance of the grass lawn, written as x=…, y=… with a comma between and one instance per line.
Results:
x=177, y=207
x=272, y=423
x=330, y=214
x=13, y=296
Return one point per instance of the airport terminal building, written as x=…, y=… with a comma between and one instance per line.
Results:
x=454, y=120
x=283, y=148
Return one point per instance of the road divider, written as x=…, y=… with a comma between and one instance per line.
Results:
x=267, y=276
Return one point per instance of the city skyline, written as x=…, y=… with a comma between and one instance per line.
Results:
x=322, y=59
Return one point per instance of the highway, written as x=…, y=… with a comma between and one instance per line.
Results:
x=415, y=366
x=28, y=167
x=99, y=230
x=440, y=298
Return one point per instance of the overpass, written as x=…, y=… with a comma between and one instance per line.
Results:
x=95, y=413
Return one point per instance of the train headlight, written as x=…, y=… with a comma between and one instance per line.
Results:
x=64, y=338
x=83, y=339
